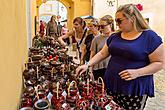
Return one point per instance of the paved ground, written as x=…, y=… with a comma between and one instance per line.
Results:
x=157, y=102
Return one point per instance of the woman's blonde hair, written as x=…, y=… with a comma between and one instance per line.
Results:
x=109, y=20
x=130, y=10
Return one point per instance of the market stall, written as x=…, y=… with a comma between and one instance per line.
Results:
x=50, y=82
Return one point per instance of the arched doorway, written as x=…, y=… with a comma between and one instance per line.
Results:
x=62, y=5
x=74, y=8
x=46, y=10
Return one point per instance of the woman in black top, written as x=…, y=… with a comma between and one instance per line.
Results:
x=92, y=32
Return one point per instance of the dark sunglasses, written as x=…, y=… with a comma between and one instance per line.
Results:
x=103, y=26
x=119, y=21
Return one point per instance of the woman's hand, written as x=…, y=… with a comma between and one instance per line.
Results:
x=81, y=69
x=61, y=41
x=129, y=74
x=64, y=44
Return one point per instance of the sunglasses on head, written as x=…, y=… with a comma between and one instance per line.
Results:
x=103, y=26
x=119, y=21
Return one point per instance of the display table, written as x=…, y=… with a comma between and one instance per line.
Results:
x=50, y=82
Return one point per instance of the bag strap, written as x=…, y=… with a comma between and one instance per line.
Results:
x=83, y=36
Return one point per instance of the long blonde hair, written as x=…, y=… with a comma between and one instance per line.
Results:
x=130, y=10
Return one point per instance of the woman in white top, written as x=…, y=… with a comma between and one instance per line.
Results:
x=77, y=33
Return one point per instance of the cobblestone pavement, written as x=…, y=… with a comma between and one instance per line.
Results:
x=158, y=102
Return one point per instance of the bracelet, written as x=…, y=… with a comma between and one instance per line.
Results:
x=88, y=64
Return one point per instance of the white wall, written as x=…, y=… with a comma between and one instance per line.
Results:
x=154, y=10
x=101, y=8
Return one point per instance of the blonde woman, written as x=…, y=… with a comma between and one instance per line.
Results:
x=106, y=28
x=136, y=54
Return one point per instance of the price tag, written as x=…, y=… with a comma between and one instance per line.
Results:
x=107, y=107
x=64, y=94
x=64, y=105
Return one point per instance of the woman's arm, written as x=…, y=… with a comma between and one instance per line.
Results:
x=64, y=37
x=93, y=49
x=83, y=53
x=101, y=55
x=156, y=63
x=97, y=58
x=91, y=55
